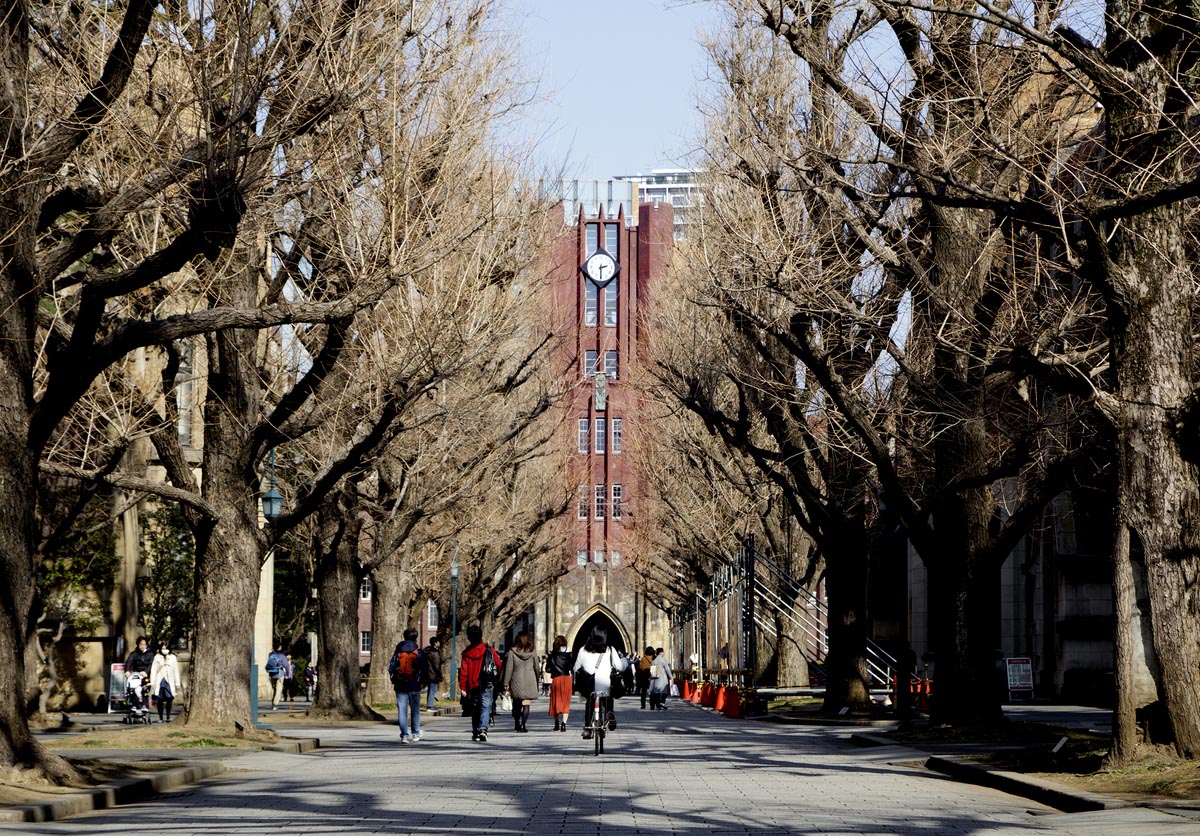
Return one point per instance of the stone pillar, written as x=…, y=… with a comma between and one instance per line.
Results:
x=264, y=623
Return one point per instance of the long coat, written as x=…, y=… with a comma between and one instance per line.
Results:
x=661, y=684
x=522, y=675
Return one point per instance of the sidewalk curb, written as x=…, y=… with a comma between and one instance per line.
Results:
x=1059, y=796
x=134, y=790
x=297, y=746
x=1064, y=798
x=116, y=794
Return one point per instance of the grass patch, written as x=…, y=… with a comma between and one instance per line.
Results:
x=162, y=736
x=793, y=703
x=1156, y=773
x=202, y=743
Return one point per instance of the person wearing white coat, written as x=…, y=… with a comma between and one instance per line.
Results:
x=660, y=681
x=164, y=680
x=594, y=664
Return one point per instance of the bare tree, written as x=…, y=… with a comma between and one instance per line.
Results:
x=824, y=255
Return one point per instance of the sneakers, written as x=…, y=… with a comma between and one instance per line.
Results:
x=483, y=735
x=415, y=738
x=474, y=735
x=612, y=721
x=403, y=739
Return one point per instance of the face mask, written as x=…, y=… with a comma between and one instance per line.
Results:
x=164, y=651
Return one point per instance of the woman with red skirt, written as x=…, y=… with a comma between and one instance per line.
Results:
x=559, y=663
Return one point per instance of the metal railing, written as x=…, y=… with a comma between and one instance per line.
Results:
x=749, y=593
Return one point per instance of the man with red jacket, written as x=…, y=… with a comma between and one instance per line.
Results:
x=476, y=679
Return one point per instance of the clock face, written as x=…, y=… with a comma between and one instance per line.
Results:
x=600, y=268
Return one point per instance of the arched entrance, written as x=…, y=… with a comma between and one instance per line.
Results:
x=602, y=616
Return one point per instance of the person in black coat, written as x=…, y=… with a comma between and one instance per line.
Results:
x=559, y=662
x=140, y=660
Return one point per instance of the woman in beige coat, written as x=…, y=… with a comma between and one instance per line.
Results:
x=164, y=680
x=522, y=678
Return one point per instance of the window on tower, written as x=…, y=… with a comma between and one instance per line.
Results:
x=617, y=432
x=583, y=434
x=590, y=359
x=601, y=501
x=590, y=303
x=610, y=304
x=600, y=437
x=610, y=364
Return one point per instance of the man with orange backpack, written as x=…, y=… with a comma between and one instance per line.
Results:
x=407, y=669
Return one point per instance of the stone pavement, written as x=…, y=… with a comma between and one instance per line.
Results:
x=684, y=771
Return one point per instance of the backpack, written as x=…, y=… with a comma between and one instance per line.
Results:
x=404, y=670
x=488, y=672
x=273, y=666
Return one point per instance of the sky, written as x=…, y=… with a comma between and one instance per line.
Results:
x=640, y=113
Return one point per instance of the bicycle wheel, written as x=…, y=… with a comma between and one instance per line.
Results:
x=600, y=740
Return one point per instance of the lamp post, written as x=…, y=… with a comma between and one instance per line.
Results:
x=454, y=623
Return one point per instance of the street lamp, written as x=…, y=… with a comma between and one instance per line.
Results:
x=272, y=500
x=454, y=623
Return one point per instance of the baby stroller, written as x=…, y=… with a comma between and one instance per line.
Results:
x=137, y=699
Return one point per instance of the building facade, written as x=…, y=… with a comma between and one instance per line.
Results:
x=603, y=269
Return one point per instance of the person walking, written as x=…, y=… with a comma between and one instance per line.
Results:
x=593, y=674
x=433, y=671
x=289, y=679
x=660, y=681
x=406, y=670
x=522, y=678
x=276, y=669
x=558, y=665
x=643, y=674
x=164, y=680
x=477, y=681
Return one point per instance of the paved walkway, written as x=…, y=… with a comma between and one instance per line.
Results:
x=684, y=771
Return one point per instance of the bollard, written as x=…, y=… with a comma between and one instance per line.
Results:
x=733, y=703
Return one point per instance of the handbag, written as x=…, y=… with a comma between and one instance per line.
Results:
x=620, y=682
x=488, y=672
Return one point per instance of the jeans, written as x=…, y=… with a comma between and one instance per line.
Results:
x=481, y=714
x=408, y=703
x=431, y=695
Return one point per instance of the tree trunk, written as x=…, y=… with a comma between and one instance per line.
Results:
x=229, y=549
x=338, y=579
x=1124, y=727
x=964, y=586
x=791, y=661
x=18, y=277
x=847, y=684
x=228, y=574
x=389, y=617
x=1159, y=489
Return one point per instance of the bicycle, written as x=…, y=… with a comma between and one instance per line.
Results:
x=599, y=724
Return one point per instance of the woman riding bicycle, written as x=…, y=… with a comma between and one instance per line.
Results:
x=593, y=667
